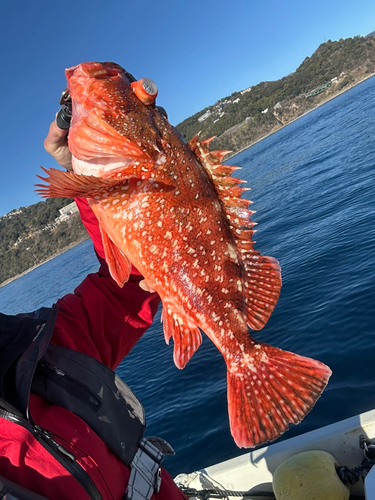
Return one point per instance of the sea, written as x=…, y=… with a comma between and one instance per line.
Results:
x=313, y=188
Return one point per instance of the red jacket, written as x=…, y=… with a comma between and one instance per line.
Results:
x=104, y=321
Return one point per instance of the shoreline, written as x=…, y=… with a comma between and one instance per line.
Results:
x=72, y=245
x=300, y=116
x=65, y=249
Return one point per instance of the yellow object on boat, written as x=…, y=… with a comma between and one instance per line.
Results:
x=310, y=475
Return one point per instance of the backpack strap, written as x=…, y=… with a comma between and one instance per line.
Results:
x=13, y=491
x=56, y=450
x=94, y=393
x=145, y=478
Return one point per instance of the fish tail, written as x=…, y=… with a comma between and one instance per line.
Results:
x=268, y=389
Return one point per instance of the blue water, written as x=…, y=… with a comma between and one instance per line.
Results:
x=313, y=187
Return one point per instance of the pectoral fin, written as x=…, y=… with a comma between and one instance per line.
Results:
x=70, y=185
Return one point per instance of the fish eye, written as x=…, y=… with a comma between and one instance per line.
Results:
x=146, y=90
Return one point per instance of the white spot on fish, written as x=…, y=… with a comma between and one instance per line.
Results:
x=232, y=252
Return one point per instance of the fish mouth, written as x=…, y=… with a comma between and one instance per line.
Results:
x=95, y=70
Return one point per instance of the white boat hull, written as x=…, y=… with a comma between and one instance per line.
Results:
x=255, y=470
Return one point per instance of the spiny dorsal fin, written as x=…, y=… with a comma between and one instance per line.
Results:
x=262, y=275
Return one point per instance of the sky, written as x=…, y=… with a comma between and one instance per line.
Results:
x=197, y=52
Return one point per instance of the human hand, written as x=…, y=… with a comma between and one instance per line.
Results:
x=56, y=144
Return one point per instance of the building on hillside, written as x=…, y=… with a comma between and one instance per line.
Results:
x=204, y=116
x=66, y=212
x=69, y=209
x=318, y=90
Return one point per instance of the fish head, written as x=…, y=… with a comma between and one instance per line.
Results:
x=111, y=127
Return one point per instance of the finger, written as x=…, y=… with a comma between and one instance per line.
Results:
x=56, y=137
x=56, y=144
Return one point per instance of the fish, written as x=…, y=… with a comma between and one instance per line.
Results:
x=174, y=211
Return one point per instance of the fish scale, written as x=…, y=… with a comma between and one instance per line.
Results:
x=174, y=211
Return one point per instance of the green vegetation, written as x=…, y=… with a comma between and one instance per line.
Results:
x=243, y=117
x=29, y=236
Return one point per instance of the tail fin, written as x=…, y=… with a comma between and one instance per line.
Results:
x=269, y=389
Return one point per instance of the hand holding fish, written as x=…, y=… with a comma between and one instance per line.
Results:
x=56, y=144
x=174, y=211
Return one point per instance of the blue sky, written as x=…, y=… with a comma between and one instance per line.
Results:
x=196, y=52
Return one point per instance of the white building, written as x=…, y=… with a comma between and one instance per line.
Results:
x=65, y=213
x=205, y=116
x=69, y=209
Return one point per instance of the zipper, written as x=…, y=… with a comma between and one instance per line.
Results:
x=63, y=380
x=68, y=460
x=61, y=454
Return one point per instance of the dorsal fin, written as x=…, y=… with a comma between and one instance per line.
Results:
x=262, y=275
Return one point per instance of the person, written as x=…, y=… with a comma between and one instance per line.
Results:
x=46, y=447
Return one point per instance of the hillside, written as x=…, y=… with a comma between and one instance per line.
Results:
x=244, y=117
x=31, y=235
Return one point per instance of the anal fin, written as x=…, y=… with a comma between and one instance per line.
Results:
x=186, y=338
